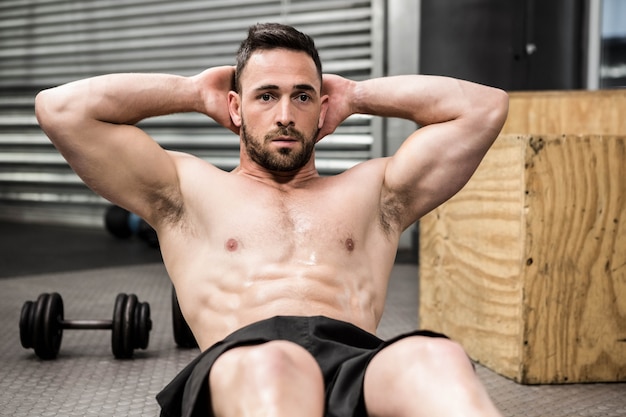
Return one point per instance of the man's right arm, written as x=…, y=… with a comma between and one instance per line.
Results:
x=459, y=120
x=91, y=122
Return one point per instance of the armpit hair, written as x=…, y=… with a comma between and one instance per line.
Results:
x=168, y=209
x=392, y=209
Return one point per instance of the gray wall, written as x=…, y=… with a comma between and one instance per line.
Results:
x=511, y=44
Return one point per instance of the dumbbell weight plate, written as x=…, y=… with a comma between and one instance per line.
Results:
x=27, y=324
x=129, y=325
x=48, y=332
x=123, y=320
x=116, y=334
x=143, y=325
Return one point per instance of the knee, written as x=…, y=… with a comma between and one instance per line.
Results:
x=269, y=364
x=437, y=352
x=273, y=361
x=425, y=356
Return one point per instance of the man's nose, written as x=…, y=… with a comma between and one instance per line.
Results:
x=284, y=116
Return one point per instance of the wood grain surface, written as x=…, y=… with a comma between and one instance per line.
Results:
x=526, y=266
x=598, y=112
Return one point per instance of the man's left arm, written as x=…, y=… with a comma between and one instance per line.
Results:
x=459, y=120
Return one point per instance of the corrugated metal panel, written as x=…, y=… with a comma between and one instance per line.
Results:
x=44, y=43
x=47, y=43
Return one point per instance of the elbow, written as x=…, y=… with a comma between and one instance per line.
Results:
x=488, y=111
x=47, y=109
x=485, y=108
x=498, y=109
x=40, y=107
x=54, y=114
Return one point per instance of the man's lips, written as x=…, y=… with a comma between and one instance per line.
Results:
x=284, y=139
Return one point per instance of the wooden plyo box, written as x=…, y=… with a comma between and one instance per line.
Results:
x=526, y=266
x=600, y=112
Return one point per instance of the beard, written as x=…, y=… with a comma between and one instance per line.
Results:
x=285, y=159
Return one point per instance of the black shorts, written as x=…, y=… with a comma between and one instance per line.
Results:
x=341, y=349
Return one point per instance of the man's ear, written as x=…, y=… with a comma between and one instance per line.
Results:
x=323, y=110
x=234, y=107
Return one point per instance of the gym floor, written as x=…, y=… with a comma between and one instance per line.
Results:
x=89, y=268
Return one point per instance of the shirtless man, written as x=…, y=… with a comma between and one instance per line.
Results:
x=274, y=238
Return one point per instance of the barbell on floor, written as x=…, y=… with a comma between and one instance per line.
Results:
x=42, y=324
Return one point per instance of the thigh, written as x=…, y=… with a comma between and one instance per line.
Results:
x=413, y=374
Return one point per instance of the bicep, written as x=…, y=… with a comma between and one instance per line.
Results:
x=432, y=165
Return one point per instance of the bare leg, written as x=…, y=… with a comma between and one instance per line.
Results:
x=274, y=379
x=423, y=376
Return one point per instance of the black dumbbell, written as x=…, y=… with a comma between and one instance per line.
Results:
x=123, y=224
x=42, y=325
x=182, y=333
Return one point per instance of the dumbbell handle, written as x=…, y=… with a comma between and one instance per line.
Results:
x=86, y=324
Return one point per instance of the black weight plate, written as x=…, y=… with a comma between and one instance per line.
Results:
x=27, y=324
x=143, y=325
x=47, y=332
x=129, y=326
x=182, y=333
x=53, y=319
x=117, y=335
x=38, y=319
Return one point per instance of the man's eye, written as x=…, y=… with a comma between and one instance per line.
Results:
x=266, y=97
x=303, y=98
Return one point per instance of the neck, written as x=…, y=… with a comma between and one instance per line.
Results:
x=291, y=179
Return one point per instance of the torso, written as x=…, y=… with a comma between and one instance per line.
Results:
x=245, y=251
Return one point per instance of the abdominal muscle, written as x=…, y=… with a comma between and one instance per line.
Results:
x=235, y=291
x=306, y=250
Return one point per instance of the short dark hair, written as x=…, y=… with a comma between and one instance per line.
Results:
x=264, y=36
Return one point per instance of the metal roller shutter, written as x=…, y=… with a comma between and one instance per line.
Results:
x=49, y=42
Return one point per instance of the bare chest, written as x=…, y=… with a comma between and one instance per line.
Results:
x=303, y=225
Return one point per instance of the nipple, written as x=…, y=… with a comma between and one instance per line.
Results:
x=231, y=245
x=349, y=244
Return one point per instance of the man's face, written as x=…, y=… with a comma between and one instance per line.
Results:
x=279, y=109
